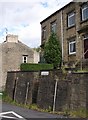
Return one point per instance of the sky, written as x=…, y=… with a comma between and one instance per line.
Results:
x=23, y=17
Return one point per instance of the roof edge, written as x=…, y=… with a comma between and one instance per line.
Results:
x=57, y=11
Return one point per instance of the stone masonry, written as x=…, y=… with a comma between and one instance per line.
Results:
x=33, y=87
x=65, y=33
x=11, y=56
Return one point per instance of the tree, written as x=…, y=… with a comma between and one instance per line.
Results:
x=52, y=51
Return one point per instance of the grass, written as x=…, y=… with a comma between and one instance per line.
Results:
x=6, y=98
x=77, y=113
x=81, y=113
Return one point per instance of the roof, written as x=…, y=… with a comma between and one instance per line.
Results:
x=56, y=12
x=17, y=44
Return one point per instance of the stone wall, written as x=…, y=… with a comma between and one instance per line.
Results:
x=32, y=87
x=46, y=91
x=20, y=86
x=71, y=91
x=12, y=57
x=78, y=90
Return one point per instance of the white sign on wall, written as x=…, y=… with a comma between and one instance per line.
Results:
x=45, y=73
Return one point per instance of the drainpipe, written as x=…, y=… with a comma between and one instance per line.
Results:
x=62, y=34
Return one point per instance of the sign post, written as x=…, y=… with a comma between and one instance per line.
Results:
x=55, y=92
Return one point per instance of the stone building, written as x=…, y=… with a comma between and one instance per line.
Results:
x=12, y=54
x=70, y=23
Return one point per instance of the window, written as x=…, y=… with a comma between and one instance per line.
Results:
x=71, y=19
x=72, y=47
x=84, y=12
x=44, y=33
x=53, y=27
x=25, y=58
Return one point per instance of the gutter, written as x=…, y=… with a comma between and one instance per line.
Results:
x=62, y=34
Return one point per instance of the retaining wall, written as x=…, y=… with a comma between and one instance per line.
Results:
x=32, y=87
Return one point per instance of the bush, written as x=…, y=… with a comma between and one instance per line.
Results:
x=35, y=67
x=52, y=51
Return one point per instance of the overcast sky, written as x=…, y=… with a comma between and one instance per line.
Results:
x=23, y=18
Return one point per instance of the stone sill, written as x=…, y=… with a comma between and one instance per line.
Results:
x=70, y=27
x=72, y=55
x=84, y=21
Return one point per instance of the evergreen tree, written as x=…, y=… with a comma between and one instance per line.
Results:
x=52, y=51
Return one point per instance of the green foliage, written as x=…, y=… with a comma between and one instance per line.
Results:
x=33, y=107
x=6, y=98
x=77, y=113
x=82, y=71
x=82, y=113
x=35, y=67
x=52, y=51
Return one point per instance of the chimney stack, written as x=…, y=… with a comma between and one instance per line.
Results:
x=12, y=38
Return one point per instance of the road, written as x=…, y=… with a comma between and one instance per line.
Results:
x=12, y=111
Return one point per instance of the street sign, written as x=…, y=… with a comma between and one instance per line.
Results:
x=45, y=73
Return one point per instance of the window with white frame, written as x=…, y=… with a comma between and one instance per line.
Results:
x=84, y=12
x=25, y=58
x=71, y=19
x=53, y=27
x=72, y=47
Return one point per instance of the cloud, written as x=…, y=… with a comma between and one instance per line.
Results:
x=23, y=18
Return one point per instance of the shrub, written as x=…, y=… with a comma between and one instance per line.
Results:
x=35, y=67
x=52, y=51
